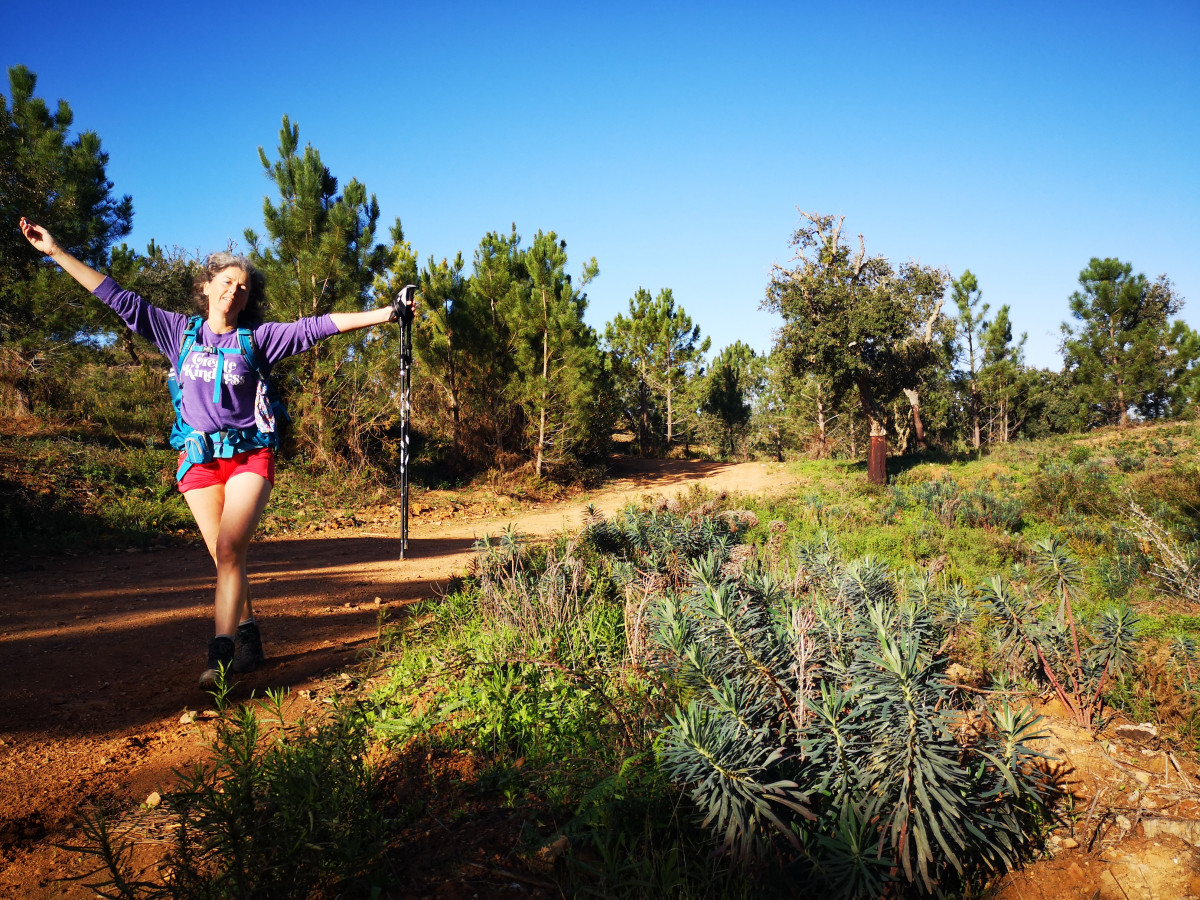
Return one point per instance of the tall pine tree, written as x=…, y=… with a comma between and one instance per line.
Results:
x=1118, y=350
x=60, y=182
x=319, y=256
x=559, y=367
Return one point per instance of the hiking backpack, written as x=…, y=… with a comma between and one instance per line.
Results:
x=269, y=410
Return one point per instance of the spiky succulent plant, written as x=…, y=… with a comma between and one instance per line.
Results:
x=817, y=726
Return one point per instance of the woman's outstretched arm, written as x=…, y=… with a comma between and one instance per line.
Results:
x=356, y=320
x=44, y=242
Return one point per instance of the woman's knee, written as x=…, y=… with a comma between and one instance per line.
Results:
x=230, y=553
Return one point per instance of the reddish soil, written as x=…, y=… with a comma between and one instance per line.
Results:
x=99, y=655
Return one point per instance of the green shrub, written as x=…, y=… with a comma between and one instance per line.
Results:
x=1061, y=487
x=1075, y=660
x=982, y=508
x=279, y=810
x=817, y=729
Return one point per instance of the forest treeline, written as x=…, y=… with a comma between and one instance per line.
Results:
x=871, y=357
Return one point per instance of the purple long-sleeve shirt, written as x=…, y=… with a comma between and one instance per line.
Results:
x=233, y=405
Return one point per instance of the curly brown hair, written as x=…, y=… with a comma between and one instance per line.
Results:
x=218, y=262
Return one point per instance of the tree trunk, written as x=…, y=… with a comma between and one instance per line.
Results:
x=670, y=417
x=14, y=403
x=975, y=414
x=877, y=457
x=541, y=445
x=16, y=398
x=822, y=436
x=643, y=418
x=914, y=400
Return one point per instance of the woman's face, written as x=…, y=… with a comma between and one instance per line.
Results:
x=228, y=291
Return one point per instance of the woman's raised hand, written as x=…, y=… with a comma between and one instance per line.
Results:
x=44, y=242
x=41, y=239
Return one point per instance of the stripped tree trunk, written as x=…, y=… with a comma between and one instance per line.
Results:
x=914, y=400
x=877, y=454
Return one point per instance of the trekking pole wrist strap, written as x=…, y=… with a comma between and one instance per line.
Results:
x=402, y=306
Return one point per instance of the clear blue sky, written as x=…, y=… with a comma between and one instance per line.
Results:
x=672, y=141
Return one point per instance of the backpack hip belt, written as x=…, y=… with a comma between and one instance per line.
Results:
x=200, y=447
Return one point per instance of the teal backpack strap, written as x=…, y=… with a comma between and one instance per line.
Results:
x=180, y=430
x=190, y=335
x=250, y=352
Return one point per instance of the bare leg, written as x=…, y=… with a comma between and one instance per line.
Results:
x=207, y=504
x=227, y=515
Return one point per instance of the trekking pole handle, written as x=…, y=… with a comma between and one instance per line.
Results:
x=405, y=304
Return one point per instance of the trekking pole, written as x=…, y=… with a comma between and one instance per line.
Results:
x=403, y=306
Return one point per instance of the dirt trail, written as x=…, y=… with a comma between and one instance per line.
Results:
x=99, y=655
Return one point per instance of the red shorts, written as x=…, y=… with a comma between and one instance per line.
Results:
x=260, y=462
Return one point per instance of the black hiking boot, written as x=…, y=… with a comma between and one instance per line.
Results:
x=220, y=656
x=249, y=653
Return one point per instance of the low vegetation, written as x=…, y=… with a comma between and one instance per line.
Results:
x=835, y=689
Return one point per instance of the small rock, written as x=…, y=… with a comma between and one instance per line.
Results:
x=378, y=600
x=1070, y=844
x=1184, y=829
x=1147, y=803
x=553, y=850
x=187, y=718
x=958, y=674
x=1123, y=823
x=305, y=694
x=153, y=800
x=1138, y=734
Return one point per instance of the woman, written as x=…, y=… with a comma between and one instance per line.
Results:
x=221, y=398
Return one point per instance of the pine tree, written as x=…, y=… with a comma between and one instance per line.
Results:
x=970, y=314
x=319, y=257
x=656, y=350
x=443, y=339
x=630, y=346
x=558, y=362
x=1118, y=351
x=734, y=384
x=725, y=401
x=1000, y=376
x=677, y=351
x=59, y=182
x=498, y=280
